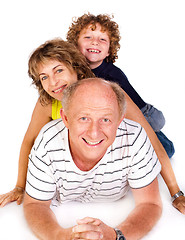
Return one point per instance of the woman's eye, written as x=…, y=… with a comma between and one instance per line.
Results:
x=44, y=78
x=59, y=70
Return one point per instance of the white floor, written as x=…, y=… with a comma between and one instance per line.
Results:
x=151, y=55
x=170, y=226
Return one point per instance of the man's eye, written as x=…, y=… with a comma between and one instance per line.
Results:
x=84, y=118
x=106, y=120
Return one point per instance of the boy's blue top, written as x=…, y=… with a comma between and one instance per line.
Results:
x=108, y=71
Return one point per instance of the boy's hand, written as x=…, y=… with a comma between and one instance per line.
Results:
x=16, y=194
x=92, y=228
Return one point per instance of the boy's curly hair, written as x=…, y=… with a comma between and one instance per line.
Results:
x=107, y=25
x=62, y=51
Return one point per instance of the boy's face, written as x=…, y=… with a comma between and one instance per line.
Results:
x=55, y=76
x=94, y=45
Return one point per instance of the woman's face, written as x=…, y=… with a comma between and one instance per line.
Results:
x=55, y=76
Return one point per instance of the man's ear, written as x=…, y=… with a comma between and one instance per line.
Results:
x=121, y=119
x=64, y=117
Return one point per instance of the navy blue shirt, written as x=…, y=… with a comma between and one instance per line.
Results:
x=108, y=71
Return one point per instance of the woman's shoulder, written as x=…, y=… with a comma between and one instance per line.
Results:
x=56, y=106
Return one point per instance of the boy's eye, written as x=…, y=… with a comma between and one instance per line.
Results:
x=87, y=37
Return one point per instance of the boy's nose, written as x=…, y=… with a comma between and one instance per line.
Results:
x=95, y=41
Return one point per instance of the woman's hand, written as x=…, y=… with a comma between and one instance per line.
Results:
x=16, y=194
x=179, y=204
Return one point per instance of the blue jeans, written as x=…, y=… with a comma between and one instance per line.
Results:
x=154, y=117
x=157, y=121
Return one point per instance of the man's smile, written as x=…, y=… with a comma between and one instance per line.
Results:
x=92, y=143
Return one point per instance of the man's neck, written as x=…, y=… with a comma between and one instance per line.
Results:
x=84, y=165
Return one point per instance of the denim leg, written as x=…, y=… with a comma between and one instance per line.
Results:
x=157, y=121
x=154, y=117
x=167, y=144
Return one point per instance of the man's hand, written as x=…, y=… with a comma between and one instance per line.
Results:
x=16, y=194
x=92, y=228
x=179, y=204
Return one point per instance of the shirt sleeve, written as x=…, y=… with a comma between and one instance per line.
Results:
x=144, y=166
x=40, y=180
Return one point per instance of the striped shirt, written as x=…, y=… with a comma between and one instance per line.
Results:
x=129, y=162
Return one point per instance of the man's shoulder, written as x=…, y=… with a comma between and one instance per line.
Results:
x=128, y=125
x=50, y=131
x=130, y=132
x=54, y=125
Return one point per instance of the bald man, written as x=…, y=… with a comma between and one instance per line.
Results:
x=92, y=154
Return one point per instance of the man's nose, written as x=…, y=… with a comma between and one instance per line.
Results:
x=94, y=130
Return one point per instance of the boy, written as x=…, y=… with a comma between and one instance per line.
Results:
x=97, y=37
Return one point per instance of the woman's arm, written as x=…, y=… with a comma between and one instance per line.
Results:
x=134, y=113
x=41, y=115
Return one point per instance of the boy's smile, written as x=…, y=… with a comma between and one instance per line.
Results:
x=94, y=45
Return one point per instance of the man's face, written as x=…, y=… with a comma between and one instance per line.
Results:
x=92, y=119
x=94, y=45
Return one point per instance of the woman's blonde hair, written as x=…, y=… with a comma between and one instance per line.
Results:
x=62, y=51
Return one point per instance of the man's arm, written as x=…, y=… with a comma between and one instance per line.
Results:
x=42, y=220
x=146, y=213
x=139, y=222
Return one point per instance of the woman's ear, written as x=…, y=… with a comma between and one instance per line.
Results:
x=64, y=117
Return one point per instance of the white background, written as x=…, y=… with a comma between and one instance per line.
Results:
x=152, y=56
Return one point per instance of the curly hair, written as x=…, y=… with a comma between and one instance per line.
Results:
x=62, y=51
x=106, y=23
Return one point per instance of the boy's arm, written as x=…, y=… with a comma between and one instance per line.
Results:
x=42, y=220
x=134, y=113
x=139, y=222
x=41, y=115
